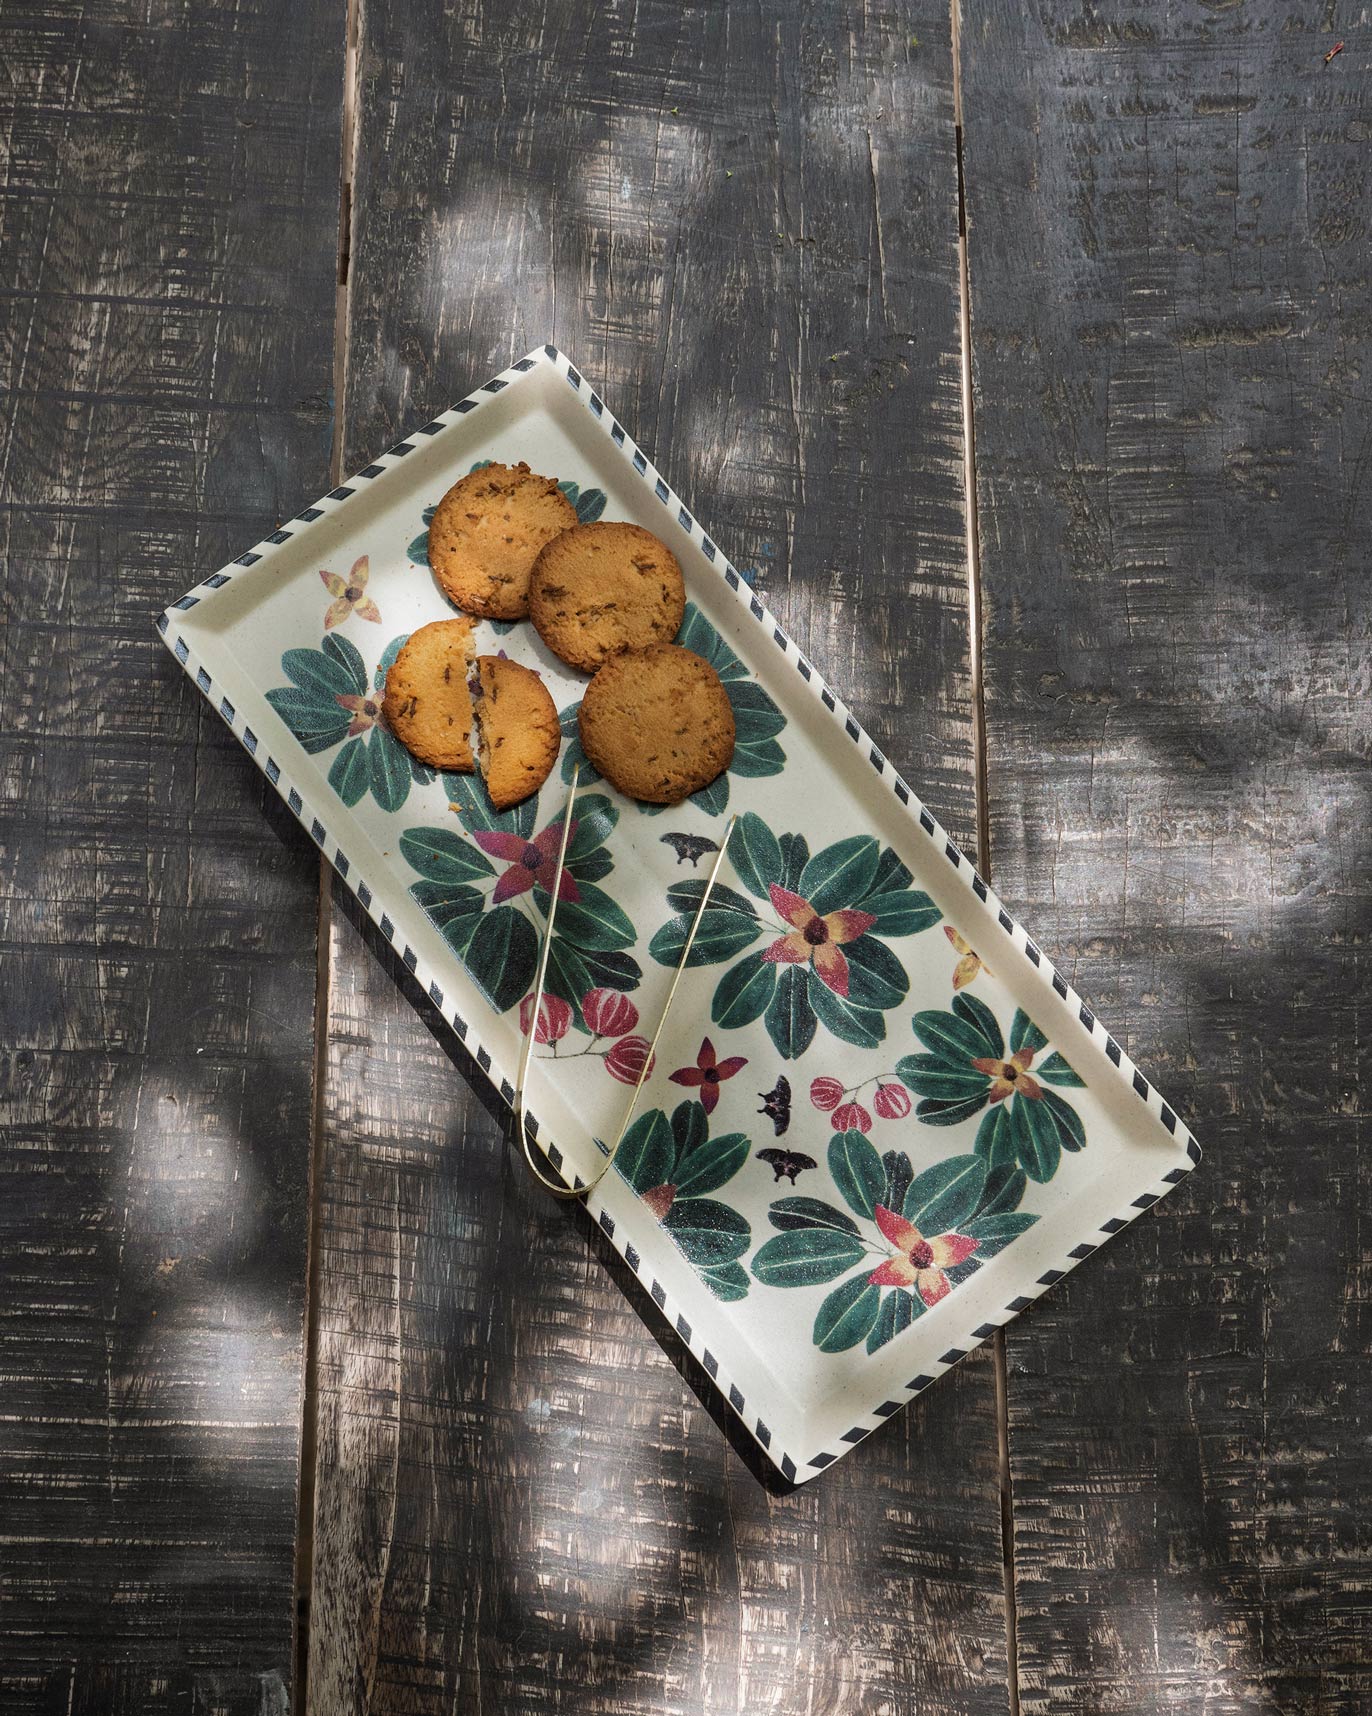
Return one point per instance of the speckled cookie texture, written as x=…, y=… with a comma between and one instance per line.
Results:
x=518, y=730
x=427, y=702
x=487, y=532
x=601, y=588
x=657, y=723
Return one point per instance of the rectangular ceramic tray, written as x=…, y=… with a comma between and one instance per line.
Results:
x=962, y=1131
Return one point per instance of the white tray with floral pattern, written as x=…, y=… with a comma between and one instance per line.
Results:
x=880, y=1123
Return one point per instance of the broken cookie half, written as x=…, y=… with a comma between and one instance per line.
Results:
x=517, y=727
x=428, y=705
x=427, y=702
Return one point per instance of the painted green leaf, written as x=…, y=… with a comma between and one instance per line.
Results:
x=318, y=726
x=567, y=976
x=648, y=1152
x=593, y=921
x=501, y=956
x=957, y=1273
x=790, y=1019
x=788, y=1214
x=994, y=1232
x=686, y=897
x=709, y=1233
x=857, y=1171
x=756, y=717
x=997, y=1142
x=806, y=1256
x=891, y=877
x=1024, y=1033
x=1071, y=1132
x=589, y=504
x=592, y=867
x=753, y=760
x=710, y=800
x=572, y=752
x=1037, y=1145
x=839, y=874
x=982, y=1020
x=418, y=549
x=1005, y=1186
x=904, y=913
x=951, y=1038
x=931, y=1075
x=454, y=907
x=420, y=773
x=876, y=978
x=945, y=1195
x=442, y=855
x=743, y=992
x=728, y=1282
x=573, y=970
x=690, y=1127
x=850, y=1023
x=1055, y=1070
x=755, y=855
x=388, y=764
x=846, y=1316
x=699, y=635
x=899, y=1173
x=898, y=1310
x=348, y=772
x=795, y=855
x=711, y=1164
x=335, y=669
x=934, y=1113
x=595, y=819
x=721, y=935
x=605, y=970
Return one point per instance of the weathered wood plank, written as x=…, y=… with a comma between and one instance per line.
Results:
x=744, y=224
x=1170, y=316
x=168, y=213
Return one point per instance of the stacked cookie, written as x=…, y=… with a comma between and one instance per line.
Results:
x=605, y=598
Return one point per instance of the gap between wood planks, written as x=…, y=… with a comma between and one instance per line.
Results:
x=982, y=800
x=304, y=1561
x=309, y=1417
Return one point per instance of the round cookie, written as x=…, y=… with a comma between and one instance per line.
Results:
x=657, y=723
x=601, y=588
x=486, y=533
x=427, y=703
x=519, y=732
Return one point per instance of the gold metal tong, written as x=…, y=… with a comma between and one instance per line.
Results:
x=557, y=1187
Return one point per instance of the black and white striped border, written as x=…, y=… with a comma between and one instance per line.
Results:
x=679, y=518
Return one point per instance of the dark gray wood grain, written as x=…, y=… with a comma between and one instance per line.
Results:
x=1170, y=319
x=167, y=226
x=743, y=225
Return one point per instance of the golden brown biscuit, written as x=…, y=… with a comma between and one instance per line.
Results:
x=427, y=703
x=601, y=588
x=486, y=533
x=518, y=730
x=657, y=723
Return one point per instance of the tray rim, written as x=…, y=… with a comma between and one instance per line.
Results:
x=794, y=1470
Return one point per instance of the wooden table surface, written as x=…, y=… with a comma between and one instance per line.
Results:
x=1022, y=355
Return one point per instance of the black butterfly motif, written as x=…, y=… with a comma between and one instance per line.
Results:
x=776, y=1104
x=787, y=1162
x=692, y=846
